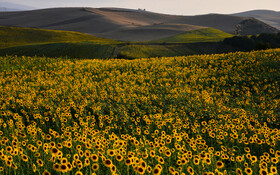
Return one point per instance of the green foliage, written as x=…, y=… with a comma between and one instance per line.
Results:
x=255, y=42
x=127, y=51
x=244, y=43
x=200, y=35
x=144, y=51
x=71, y=50
x=18, y=36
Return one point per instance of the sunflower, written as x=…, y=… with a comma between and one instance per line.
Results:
x=196, y=161
x=219, y=164
x=24, y=158
x=113, y=168
x=9, y=149
x=263, y=172
x=8, y=163
x=128, y=162
x=254, y=159
x=178, y=162
x=277, y=153
x=248, y=171
x=183, y=161
x=63, y=161
x=247, y=149
x=74, y=164
x=263, y=165
x=52, y=144
x=69, y=166
x=273, y=170
x=140, y=170
x=107, y=163
x=95, y=166
x=81, y=153
x=87, y=162
x=94, y=157
x=274, y=160
x=239, y=158
x=78, y=147
x=160, y=160
x=152, y=153
x=119, y=158
x=171, y=170
x=87, y=153
x=78, y=173
x=59, y=145
x=76, y=157
x=46, y=172
x=10, y=158
x=190, y=170
x=143, y=164
x=79, y=165
x=37, y=154
x=111, y=152
x=69, y=144
x=56, y=167
x=167, y=153
x=14, y=166
x=63, y=168
x=238, y=171
x=40, y=162
x=54, y=151
x=34, y=167
x=156, y=171
x=208, y=161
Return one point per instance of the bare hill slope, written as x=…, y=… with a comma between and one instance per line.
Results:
x=268, y=16
x=124, y=24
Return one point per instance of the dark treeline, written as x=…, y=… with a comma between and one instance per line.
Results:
x=255, y=42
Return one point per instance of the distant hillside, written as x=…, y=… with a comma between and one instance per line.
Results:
x=200, y=35
x=127, y=24
x=7, y=6
x=268, y=16
x=252, y=26
x=18, y=36
x=4, y=9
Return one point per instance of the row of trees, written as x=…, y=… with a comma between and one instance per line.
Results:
x=255, y=42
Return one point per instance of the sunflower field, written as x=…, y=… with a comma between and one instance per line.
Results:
x=206, y=114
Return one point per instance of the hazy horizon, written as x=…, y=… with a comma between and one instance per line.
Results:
x=176, y=7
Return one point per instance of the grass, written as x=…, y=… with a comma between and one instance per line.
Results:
x=19, y=36
x=79, y=50
x=207, y=114
x=129, y=51
x=200, y=35
x=144, y=51
x=52, y=43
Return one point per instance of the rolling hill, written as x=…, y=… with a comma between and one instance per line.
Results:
x=194, y=36
x=129, y=25
x=19, y=36
x=54, y=43
x=268, y=16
